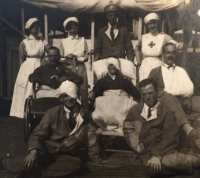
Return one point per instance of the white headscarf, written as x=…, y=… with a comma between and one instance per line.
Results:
x=73, y=19
x=69, y=88
x=114, y=61
x=30, y=22
x=151, y=16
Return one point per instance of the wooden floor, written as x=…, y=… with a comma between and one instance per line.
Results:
x=119, y=164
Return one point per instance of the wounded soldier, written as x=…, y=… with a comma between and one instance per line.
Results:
x=113, y=100
x=51, y=75
x=176, y=89
x=54, y=145
x=151, y=131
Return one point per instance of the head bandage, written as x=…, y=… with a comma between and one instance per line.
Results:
x=69, y=88
x=30, y=22
x=114, y=61
x=151, y=16
x=70, y=19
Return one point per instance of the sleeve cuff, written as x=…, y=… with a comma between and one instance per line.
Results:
x=81, y=59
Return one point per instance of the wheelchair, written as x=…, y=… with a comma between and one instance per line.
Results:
x=35, y=108
x=110, y=140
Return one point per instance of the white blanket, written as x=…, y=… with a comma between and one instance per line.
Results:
x=111, y=109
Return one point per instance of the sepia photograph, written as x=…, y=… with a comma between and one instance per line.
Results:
x=99, y=88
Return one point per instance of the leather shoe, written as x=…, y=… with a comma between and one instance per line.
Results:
x=1, y=165
x=194, y=140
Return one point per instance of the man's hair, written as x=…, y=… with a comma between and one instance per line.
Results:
x=167, y=44
x=148, y=81
x=53, y=48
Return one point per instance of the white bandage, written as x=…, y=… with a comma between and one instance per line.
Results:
x=69, y=88
x=114, y=61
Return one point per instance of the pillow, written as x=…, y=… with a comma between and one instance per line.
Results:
x=127, y=68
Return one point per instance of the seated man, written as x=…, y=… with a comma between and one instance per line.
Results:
x=55, y=143
x=115, y=89
x=173, y=80
x=51, y=75
x=151, y=130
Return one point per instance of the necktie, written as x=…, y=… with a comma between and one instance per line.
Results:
x=112, y=33
x=170, y=66
x=149, y=113
x=71, y=120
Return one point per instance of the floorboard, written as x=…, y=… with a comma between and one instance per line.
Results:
x=119, y=164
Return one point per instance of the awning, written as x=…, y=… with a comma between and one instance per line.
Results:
x=94, y=6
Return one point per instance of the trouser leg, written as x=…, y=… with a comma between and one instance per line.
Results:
x=174, y=164
x=14, y=165
x=180, y=163
x=63, y=165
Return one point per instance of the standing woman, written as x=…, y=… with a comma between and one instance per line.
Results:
x=151, y=46
x=31, y=50
x=76, y=45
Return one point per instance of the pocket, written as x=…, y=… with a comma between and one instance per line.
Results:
x=22, y=77
x=22, y=80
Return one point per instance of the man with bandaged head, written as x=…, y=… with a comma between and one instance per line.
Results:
x=55, y=143
x=114, y=80
x=116, y=88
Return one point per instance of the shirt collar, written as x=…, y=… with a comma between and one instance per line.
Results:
x=109, y=26
x=68, y=111
x=154, y=110
x=31, y=37
x=168, y=66
x=72, y=37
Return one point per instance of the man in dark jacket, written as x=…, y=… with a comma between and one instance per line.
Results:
x=176, y=90
x=113, y=39
x=55, y=143
x=51, y=75
x=151, y=131
x=114, y=80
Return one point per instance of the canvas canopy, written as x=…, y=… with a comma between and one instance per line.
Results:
x=94, y=6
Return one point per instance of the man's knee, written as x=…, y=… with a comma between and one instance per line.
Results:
x=64, y=165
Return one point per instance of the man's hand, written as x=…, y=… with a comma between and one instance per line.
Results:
x=40, y=36
x=155, y=164
x=31, y=159
x=62, y=79
x=140, y=148
x=91, y=96
x=69, y=56
x=55, y=77
x=97, y=58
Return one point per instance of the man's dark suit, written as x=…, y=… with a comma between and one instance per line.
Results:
x=120, y=47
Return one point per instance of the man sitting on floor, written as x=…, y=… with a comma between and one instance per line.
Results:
x=112, y=96
x=51, y=75
x=55, y=143
x=173, y=81
x=151, y=131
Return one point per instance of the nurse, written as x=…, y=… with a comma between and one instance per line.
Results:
x=75, y=45
x=31, y=50
x=151, y=46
